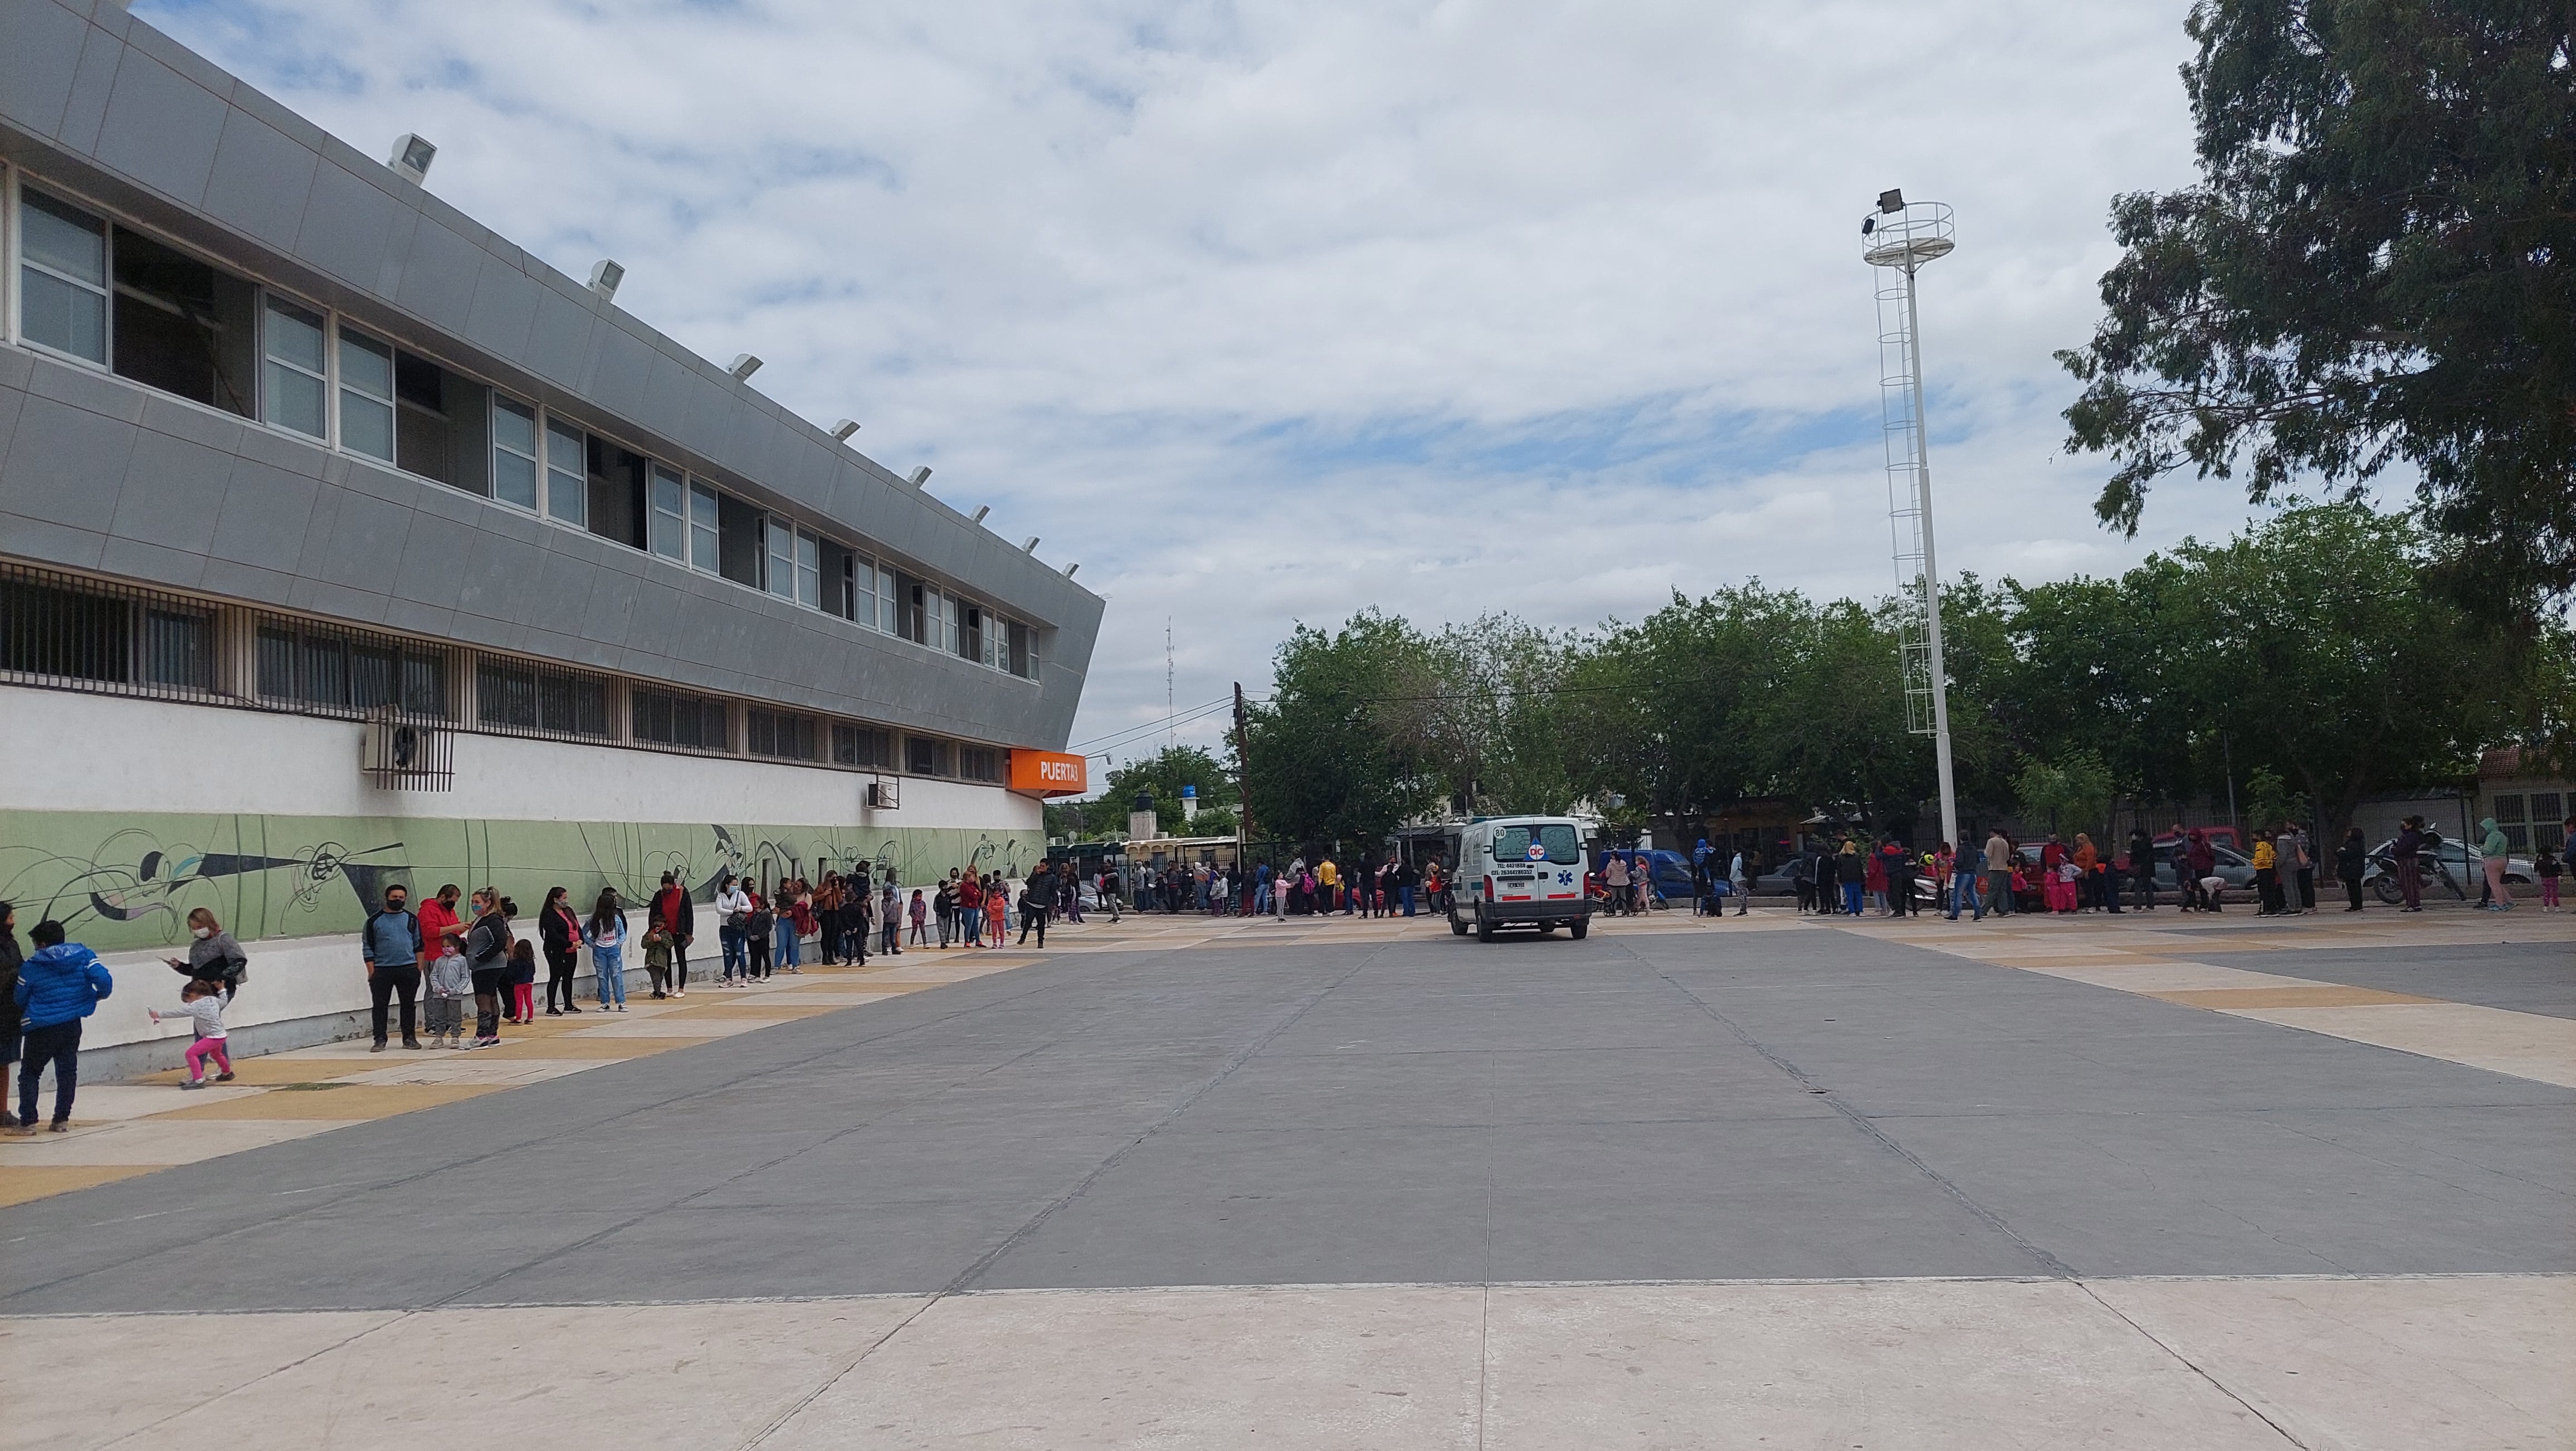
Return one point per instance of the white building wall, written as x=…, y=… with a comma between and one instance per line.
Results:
x=69, y=751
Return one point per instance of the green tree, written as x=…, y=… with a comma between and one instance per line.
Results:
x=2316, y=645
x=2072, y=793
x=1487, y=714
x=2269, y=801
x=2373, y=269
x=1336, y=749
x=1162, y=776
x=1660, y=712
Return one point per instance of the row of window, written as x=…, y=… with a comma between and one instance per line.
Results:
x=64, y=632
x=105, y=294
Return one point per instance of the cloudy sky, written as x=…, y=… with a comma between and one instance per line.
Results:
x=1267, y=311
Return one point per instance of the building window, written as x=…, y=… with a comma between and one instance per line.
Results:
x=294, y=390
x=979, y=763
x=366, y=396
x=854, y=745
x=442, y=424
x=809, y=571
x=181, y=326
x=780, y=575
x=567, y=474
x=345, y=672
x=924, y=756
x=2548, y=820
x=618, y=484
x=64, y=633
x=970, y=634
x=706, y=529
x=669, y=718
x=2509, y=820
x=740, y=541
x=861, y=588
x=525, y=697
x=1024, y=659
x=178, y=649
x=514, y=454
x=776, y=733
x=670, y=530
x=62, y=278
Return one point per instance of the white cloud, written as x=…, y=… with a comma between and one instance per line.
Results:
x=1268, y=311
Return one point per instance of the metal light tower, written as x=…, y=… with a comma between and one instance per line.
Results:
x=1899, y=238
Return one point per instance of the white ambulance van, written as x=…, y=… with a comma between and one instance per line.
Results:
x=1521, y=871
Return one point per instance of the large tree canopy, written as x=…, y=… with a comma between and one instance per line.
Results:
x=2378, y=267
x=2309, y=648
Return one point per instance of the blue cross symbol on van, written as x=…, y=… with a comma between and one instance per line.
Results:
x=1565, y=879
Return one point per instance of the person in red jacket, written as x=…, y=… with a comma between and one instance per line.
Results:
x=674, y=914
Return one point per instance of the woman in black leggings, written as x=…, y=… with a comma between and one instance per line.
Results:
x=559, y=931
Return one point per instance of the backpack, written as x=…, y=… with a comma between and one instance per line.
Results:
x=761, y=921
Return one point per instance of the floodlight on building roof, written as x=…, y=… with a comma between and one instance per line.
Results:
x=605, y=274
x=1892, y=199
x=1069, y=569
x=920, y=476
x=842, y=430
x=411, y=158
x=1031, y=547
x=743, y=366
x=980, y=511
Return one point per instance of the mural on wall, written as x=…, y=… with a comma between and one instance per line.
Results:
x=119, y=880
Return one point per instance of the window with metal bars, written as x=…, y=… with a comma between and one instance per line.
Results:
x=671, y=718
x=336, y=670
x=514, y=696
x=855, y=745
x=776, y=733
x=925, y=756
x=59, y=629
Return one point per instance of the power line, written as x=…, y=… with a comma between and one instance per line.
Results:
x=1141, y=732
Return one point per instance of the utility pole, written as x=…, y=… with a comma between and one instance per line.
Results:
x=1242, y=792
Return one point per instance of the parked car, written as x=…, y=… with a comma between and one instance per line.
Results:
x=2466, y=873
x=2230, y=867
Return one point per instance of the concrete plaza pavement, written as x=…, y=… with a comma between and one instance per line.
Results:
x=1768, y=1182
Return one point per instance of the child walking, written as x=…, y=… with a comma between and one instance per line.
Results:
x=2550, y=868
x=920, y=912
x=451, y=982
x=203, y=1002
x=997, y=915
x=523, y=978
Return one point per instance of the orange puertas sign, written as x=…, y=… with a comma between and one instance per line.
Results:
x=1049, y=773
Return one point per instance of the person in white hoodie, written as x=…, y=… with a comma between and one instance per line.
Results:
x=733, y=916
x=202, y=1002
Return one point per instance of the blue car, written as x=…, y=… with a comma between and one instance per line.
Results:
x=1670, y=871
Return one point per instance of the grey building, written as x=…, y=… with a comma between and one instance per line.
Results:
x=281, y=431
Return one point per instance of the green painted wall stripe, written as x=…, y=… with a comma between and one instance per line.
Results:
x=120, y=880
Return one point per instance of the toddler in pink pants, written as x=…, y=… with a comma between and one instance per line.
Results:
x=203, y=1002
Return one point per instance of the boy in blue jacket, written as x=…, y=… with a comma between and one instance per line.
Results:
x=57, y=987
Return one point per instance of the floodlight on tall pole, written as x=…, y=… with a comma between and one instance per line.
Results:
x=1898, y=238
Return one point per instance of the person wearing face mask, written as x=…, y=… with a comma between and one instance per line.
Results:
x=213, y=955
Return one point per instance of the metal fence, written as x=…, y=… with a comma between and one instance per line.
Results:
x=73, y=633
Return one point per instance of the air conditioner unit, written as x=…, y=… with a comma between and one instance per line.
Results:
x=882, y=796
x=407, y=753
